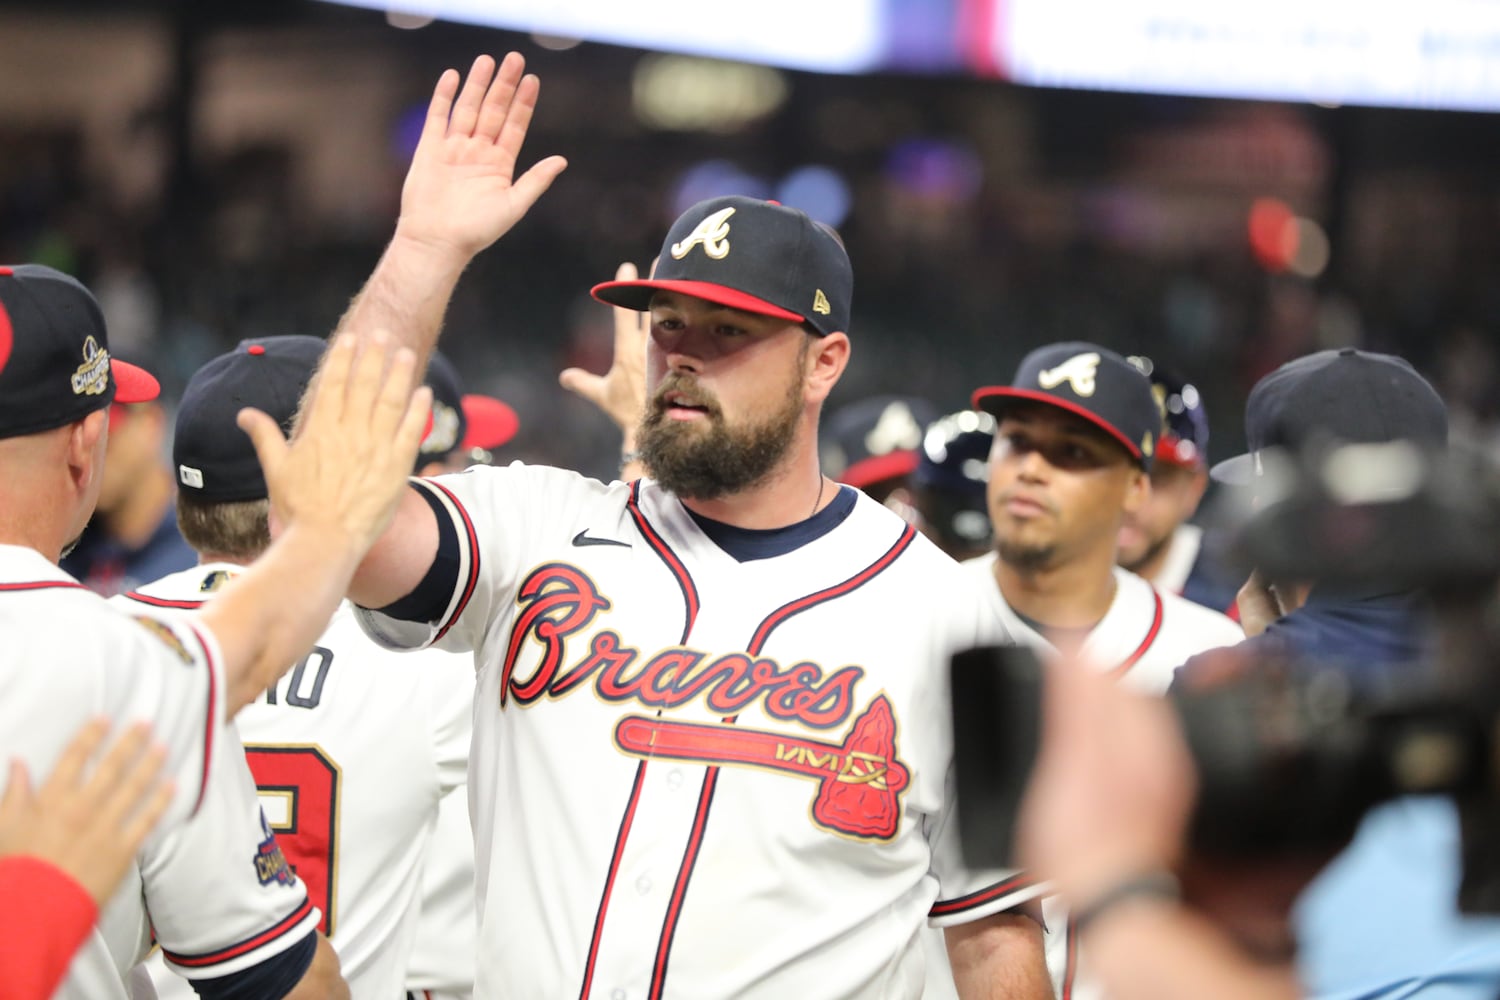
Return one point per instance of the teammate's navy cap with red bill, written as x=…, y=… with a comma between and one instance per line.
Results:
x=462, y=420
x=1344, y=396
x=875, y=439
x=1184, y=433
x=215, y=460
x=58, y=369
x=749, y=254
x=1088, y=380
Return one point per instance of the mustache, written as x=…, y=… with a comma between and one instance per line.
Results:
x=687, y=390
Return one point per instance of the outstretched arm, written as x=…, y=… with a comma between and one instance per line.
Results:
x=620, y=393
x=461, y=195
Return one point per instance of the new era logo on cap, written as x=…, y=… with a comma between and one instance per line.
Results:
x=753, y=255
x=1091, y=381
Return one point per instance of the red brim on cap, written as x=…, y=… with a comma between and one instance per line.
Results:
x=132, y=384
x=1175, y=451
x=879, y=467
x=993, y=393
x=637, y=295
x=490, y=422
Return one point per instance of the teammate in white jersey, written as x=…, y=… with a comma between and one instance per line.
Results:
x=1076, y=432
x=70, y=657
x=712, y=745
x=353, y=749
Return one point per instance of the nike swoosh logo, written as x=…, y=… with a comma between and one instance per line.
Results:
x=584, y=538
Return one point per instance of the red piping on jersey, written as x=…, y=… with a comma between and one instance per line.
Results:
x=662, y=549
x=711, y=778
x=162, y=602
x=43, y=585
x=1016, y=883
x=1140, y=650
x=856, y=581
x=1070, y=966
x=473, y=538
x=210, y=720
x=609, y=881
x=245, y=946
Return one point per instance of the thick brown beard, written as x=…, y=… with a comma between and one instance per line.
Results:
x=701, y=464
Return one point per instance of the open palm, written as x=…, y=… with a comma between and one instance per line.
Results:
x=461, y=191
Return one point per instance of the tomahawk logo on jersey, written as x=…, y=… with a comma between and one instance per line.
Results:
x=773, y=763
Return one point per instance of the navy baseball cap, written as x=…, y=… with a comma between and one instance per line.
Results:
x=462, y=420
x=875, y=439
x=215, y=460
x=953, y=466
x=1090, y=381
x=759, y=256
x=1347, y=396
x=1184, y=435
x=57, y=367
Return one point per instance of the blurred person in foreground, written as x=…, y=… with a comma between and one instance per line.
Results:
x=1158, y=541
x=188, y=676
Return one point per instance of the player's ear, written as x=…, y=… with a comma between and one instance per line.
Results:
x=85, y=444
x=826, y=358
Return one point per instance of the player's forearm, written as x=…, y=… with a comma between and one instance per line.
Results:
x=999, y=957
x=407, y=293
x=1164, y=951
x=271, y=614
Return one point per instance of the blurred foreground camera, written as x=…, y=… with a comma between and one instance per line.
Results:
x=1291, y=752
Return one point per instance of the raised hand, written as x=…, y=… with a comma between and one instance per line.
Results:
x=88, y=822
x=461, y=193
x=357, y=441
x=621, y=391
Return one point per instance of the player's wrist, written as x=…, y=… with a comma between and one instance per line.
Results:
x=412, y=246
x=1149, y=887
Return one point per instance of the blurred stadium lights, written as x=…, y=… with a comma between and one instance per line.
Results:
x=834, y=36
x=1285, y=242
x=686, y=93
x=935, y=169
x=409, y=16
x=819, y=191
x=556, y=43
x=712, y=179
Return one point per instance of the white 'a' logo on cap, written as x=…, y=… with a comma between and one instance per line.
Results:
x=712, y=233
x=1080, y=370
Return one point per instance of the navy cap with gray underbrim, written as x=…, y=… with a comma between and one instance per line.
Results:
x=758, y=256
x=460, y=420
x=1090, y=381
x=1345, y=396
x=214, y=459
x=58, y=367
x=875, y=439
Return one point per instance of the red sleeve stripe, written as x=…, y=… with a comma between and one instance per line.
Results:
x=44, y=585
x=282, y=928
x=974, y=900
x=162, y=602
x=1146, y=643
x=210, y=718
x=471, y=538
x=864, y=576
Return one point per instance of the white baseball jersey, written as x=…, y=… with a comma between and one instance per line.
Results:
x=352, y=750
x=1142, y=639
x=698, y=777
x=443, y=955
x=70, y=656
x=1182, y=553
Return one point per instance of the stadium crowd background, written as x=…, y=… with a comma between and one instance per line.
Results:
x=216, y=171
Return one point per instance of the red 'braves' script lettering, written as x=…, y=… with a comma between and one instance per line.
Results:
x=558, y=601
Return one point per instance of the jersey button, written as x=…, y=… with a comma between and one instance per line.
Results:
x=674, y=778
x=643, y=885
x=616, y=995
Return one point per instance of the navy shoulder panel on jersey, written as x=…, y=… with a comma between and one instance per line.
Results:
x=430, y=599
x=275, y=977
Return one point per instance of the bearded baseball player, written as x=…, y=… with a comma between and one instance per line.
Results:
x=353, y=749
x=1077, y=429
x=699, y=768
x=254, y=933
